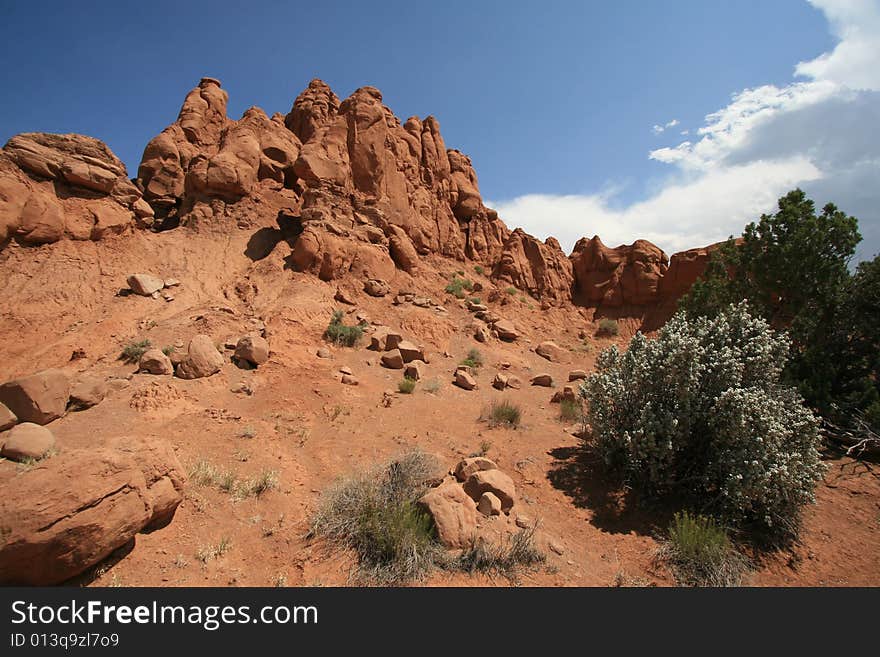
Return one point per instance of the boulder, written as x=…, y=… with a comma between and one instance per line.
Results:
x=454, y=514
x=481, y=334
x=69, y=512
x=202, y=359
x=464, y=379
x=544, y=380
x=7, y=418
x=410, y=352
x=506, y=330
x=385, y=339
x=413, y=371
x=489, y=504
x=27, y=441
x=577, y=375
x=377, y=287
x=86, y=393
x=492, y=481
x=392, y=360
x=38, y=398
x=145, y=284
x=551, y=351
x=154, y=361
x=568, y=393
x=324, y=352
x=349, y=380
x=252, y=349
x=500, y=381
x=467, y=467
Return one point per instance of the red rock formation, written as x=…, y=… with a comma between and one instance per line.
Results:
x=541, y=268
x=627, y=275
x=56, y=187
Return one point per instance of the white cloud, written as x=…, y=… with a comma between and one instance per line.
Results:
x=818, y=132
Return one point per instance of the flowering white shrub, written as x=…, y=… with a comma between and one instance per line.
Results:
x=699, y=411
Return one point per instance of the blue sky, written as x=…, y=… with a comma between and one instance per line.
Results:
x=559, y=104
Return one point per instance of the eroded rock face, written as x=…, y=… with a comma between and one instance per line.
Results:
x=72, y=510
x=55, y=187
x=540, y=268
x=626, y=275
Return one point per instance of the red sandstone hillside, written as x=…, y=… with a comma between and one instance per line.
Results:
x=257, y=229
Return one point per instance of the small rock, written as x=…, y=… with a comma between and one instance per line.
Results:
x=343, y=296
x=410, y=352
x=345, y=369
x=421, y=302
x=514, y=382
x=556, y=547
x=413, y=371
x=551, y=351
x=86, y=393
x=28, y=441
x=376, y=287
x=145, y=284
x=523, y=522
x=324, y=352
x=506, y=330
x=568, y=393
x=171, y=282
x=464, y=379
x=489, y=504
x=467, y=467
x=544, y=380
x=154, y=361
x=168, y=297
x=577, y=375
x=493, y=481
x=481, y=334
x=7, y=418
x=500, y=381
x=349, y=380
x=252, y=349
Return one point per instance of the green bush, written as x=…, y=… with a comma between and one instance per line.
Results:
x=701, y=553
x=338, y=333
x=407, y=385
x=479, y=269
x=459, y=287
x=699, y=413
x=511, y=290
x=133, y=351
x=504, y=413
x=608, y=327
x=474, y=359
x=375, y=513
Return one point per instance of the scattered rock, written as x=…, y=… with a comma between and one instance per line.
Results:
x=467, y=467
x=86, y=393
x=464, y=379
x=506, y=330
x=385, y=339
x=577, y=375
x=514, y=382
x=413, y=371
x=27, y=441
x=523, y=522
x=154, y=361
x=377, y=287
x=252, y=349
x=500, y=381
x=145, y=284
x=7, y=418
x=349, y=380
x=392, y=360
x=544, y=380
x=345, y=369
x=492, y=481
x=342, y=296
x=38, y=398
x=171, y=282
x=422, y=302
x=568, y=393
x=556, y=547
x=202, y=359
x=410, y=352
x=324, y=352
x=489, y=504
x=551, y=351
x=481, y=334
x=454, y=514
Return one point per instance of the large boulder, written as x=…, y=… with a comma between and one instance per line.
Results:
x=69, y=512
x=492, y=481
x=410, y=352
x=506, y=330
x=27, y=441
x=145, y=284
x=393, y=360
x=89, y=391
x=155, y=361
x=453, y=512
x=552, y=352
x=464, y=379
x=202, y=359
x=38, y=398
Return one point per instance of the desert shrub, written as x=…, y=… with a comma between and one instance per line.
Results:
x=608, y=327
x=168, y=349
x=133, y=351
x=475, y=300
x=570, y=410
x=701, y=553
x=511, y=290
x=503, y=413
x=459, y=286
x=474, y=359
x=432, y=386
x=699, y=413
x=517, y=552
x=338, y=333
x=406, y=386
x=375, y=513
x=479, y=269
